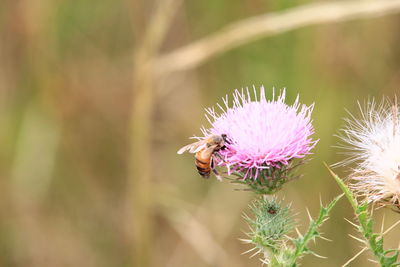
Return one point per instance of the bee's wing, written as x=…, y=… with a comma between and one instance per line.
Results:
x=194, y=147
x=183, y=149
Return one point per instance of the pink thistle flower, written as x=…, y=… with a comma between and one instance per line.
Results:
x=263, y=135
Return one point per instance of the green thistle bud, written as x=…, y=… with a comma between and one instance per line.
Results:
x=270, y=226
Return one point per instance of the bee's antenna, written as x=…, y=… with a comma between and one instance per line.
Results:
x=226, y=139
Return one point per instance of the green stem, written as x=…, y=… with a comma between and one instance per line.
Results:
x=345, y=189
x=314, y=225
x=312, y=233
x=373, y=241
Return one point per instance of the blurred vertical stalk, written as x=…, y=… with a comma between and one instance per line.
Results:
x=35, y=156
x=139, y=223
x=32, y=173
x=40, y=130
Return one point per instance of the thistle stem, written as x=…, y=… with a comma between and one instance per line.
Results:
x=386, y=258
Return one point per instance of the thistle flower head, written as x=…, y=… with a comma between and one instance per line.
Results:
x=262, y=134
x=372, y=141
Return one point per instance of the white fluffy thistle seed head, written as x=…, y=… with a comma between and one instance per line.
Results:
x=372, y=141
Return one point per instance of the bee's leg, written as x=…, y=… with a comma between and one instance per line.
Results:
x=219, y=157
x=219, y=177
x=215, y=171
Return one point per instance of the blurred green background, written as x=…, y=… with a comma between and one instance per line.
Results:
x=88, y=136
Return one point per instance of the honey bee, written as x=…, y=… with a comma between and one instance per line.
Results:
x=205, y=149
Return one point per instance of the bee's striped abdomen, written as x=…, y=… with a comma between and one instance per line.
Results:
x=203, y=164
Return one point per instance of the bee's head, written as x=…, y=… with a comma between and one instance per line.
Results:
x=225, y=141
